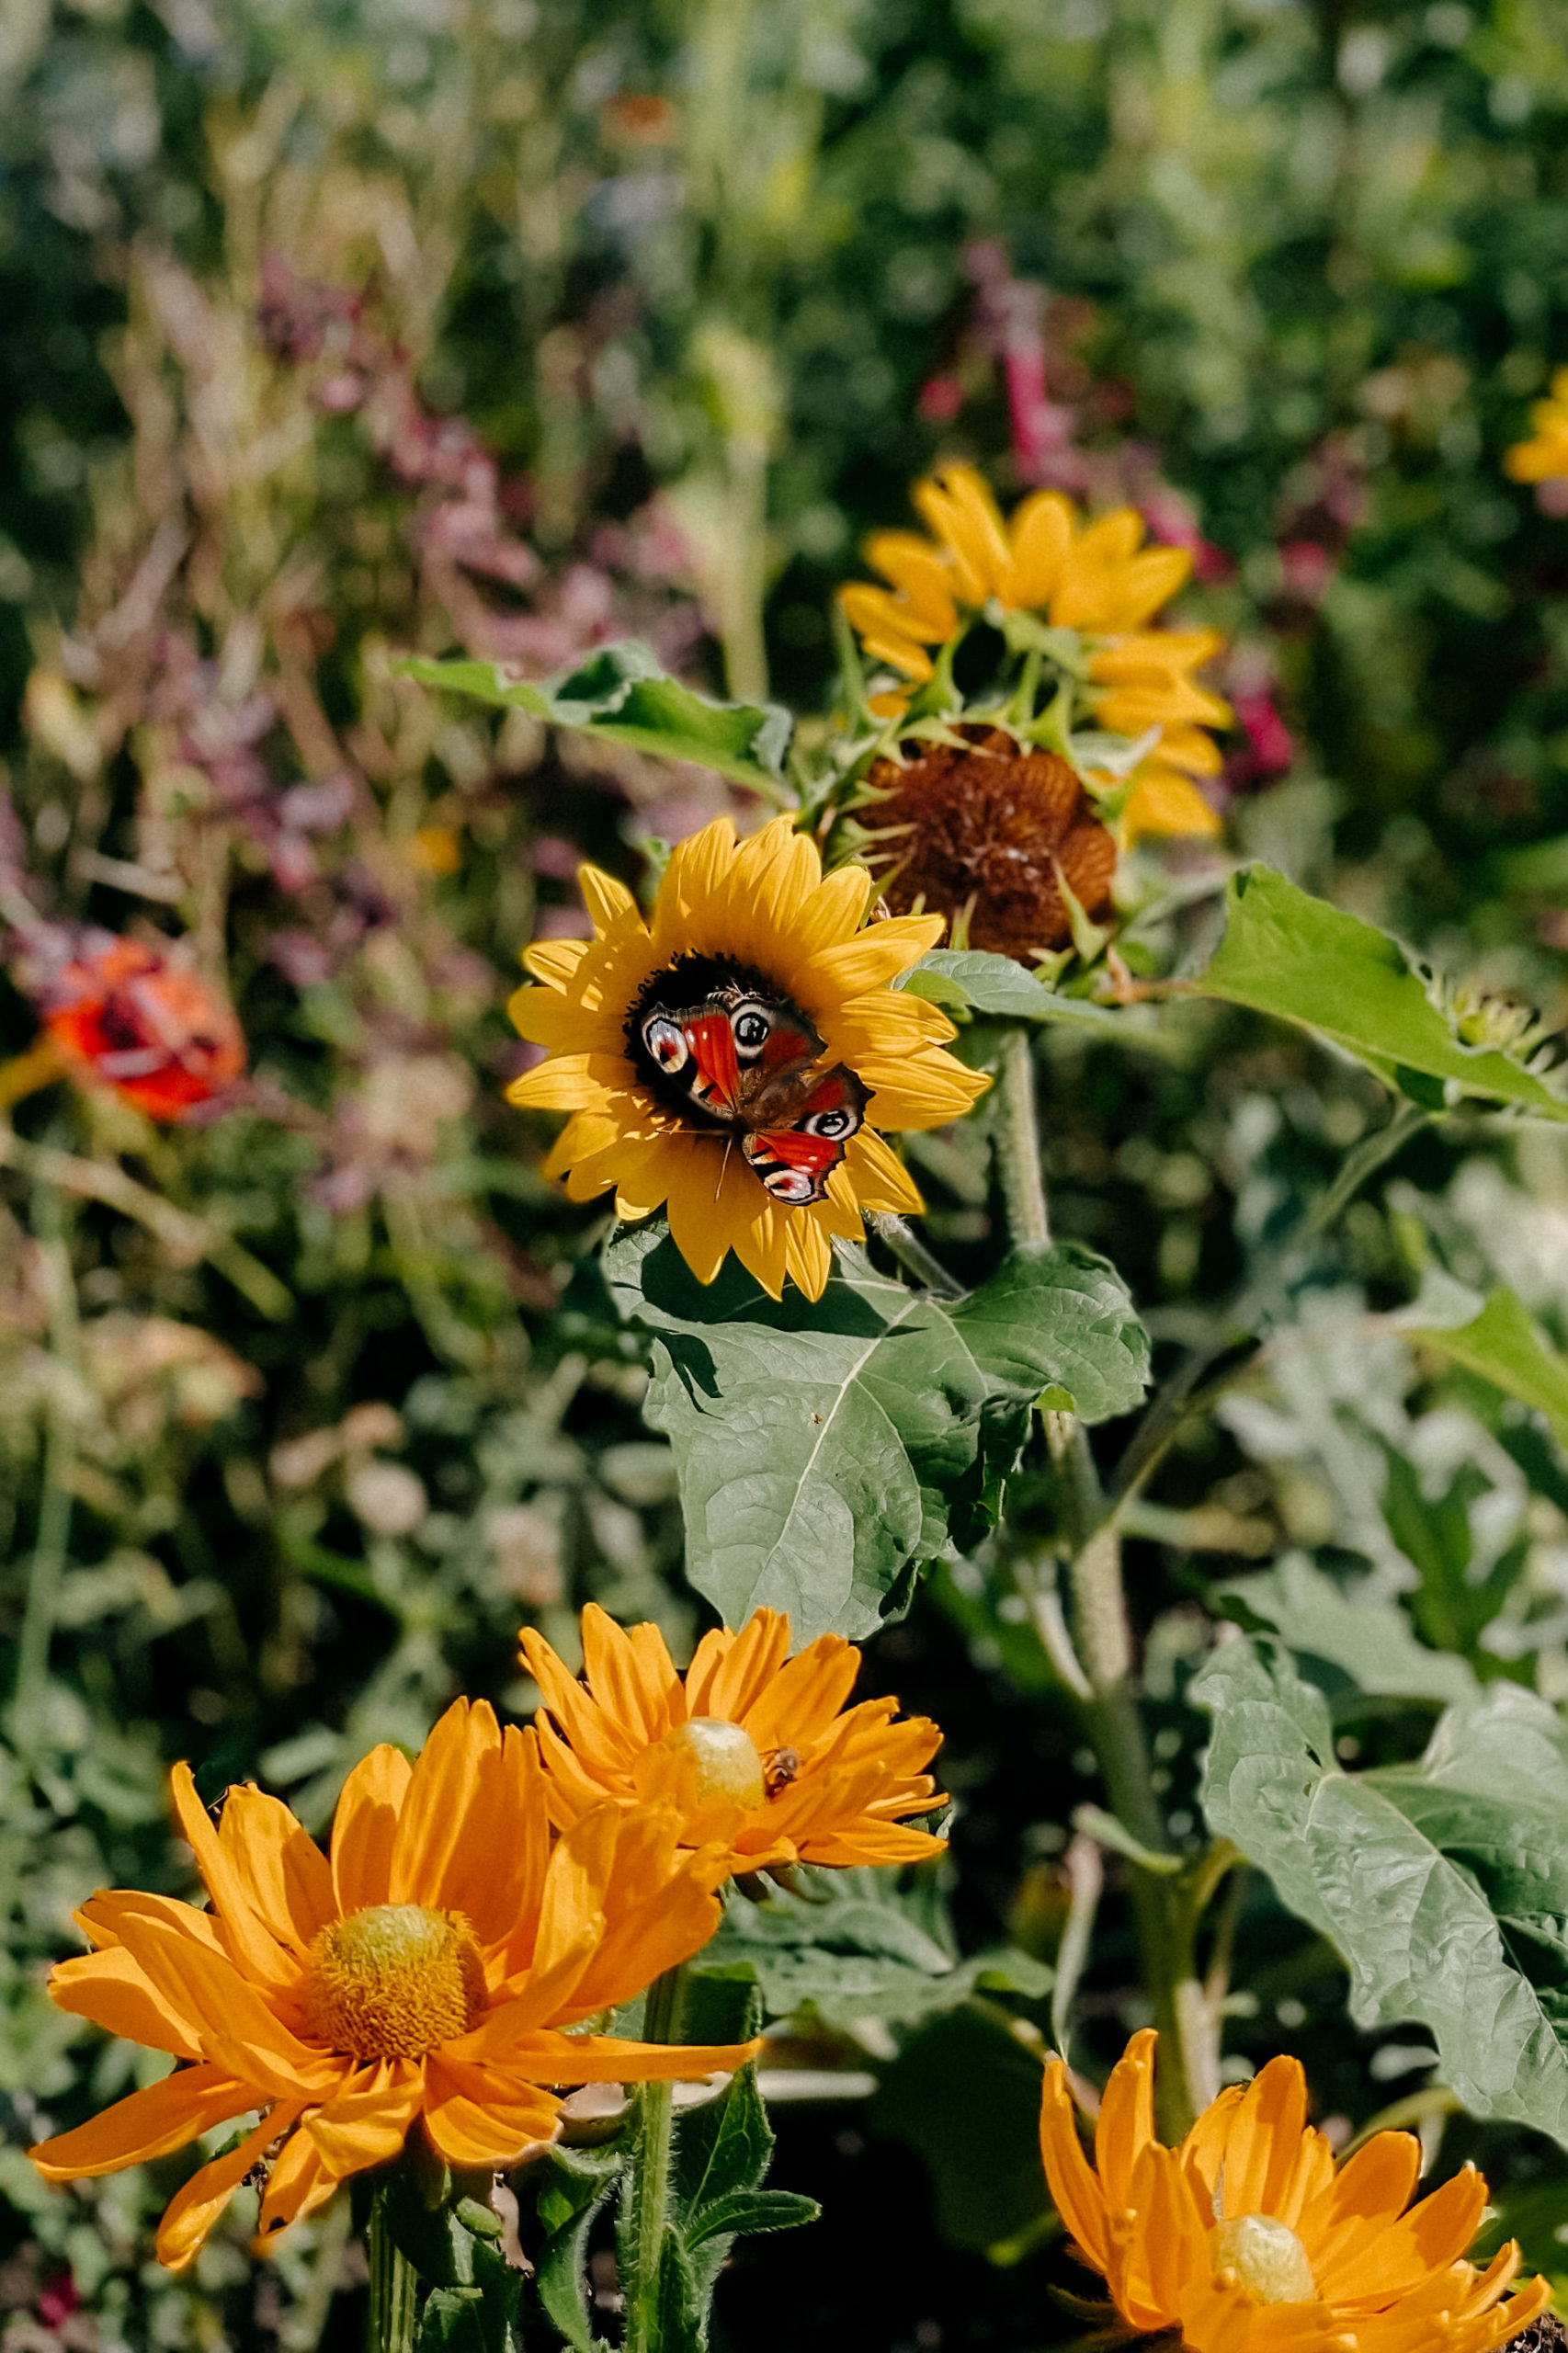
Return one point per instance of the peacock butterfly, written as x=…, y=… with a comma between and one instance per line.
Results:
x=720, y=1044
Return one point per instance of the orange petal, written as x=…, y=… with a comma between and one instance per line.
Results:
x=1125, y=2122
x=237, y=2029
x=365, y=1827
x=368, y=2123
x=300, y=2182
x=632, y=1675
x=430, y=1833
x=730, y=1673
x=1427, y=2240
x=148, y=2124
x=803, y=1698
x=250, y=1937
x=110, y=1989
x=1264, y=2138
x=192, y=2211
x=483, y=2117
x=287, y=1879
x=1358, y=2205
x=1074, y=2191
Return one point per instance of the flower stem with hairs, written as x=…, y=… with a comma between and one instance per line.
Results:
x=652, y=2145
x=394, y=2285
x=1165, y=1915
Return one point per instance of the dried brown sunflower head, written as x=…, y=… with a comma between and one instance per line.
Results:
x=985, y=834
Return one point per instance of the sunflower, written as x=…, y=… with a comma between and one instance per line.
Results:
x=1544, y=457
x=992, y=835
x=754, y=1749
x=735, y=1060
x=1096, y=578
x=1248, y=2239
x=423, y=1975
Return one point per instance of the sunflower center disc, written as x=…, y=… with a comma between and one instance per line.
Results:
x=1266, y=2257
x=393, y=1981
x=729, y=1769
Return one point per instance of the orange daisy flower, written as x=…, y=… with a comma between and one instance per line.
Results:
x=754, y=1750
x=1248, y=2238
x=423, y=1975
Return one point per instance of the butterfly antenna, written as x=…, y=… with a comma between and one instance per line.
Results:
x=723, y=1165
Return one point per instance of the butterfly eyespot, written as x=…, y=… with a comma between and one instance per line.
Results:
x=830, y=1125
x=792, y=1186
x=752, y=1027
x=665, y=1040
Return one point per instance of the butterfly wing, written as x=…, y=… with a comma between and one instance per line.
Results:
x=795, y=1158
x=728, y=1052
x=696, y=1051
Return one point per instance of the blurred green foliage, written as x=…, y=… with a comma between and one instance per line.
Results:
x=504, y=327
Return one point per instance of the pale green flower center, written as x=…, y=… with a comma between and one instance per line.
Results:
x=729, y=1768
x=1266, y=2257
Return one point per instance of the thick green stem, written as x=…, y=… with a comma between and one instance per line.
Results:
x=1017, y=1143
x=1103, y=1646
x=913, y=1255
x=654, y=2143
x=394, y=2287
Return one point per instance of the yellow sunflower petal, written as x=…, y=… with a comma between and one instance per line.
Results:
x=608, y=901
x=881, y=1179
x=962, y=514
x=834, y=911
x=808, y=1255
x=881, y=953
x=920, y=573
x=1163, y=801
x=554, y=960
x=1042, y=535
x=565, y=1083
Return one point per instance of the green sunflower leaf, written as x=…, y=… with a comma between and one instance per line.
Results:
x=1443, y=1883
x=969, y=981
x=1504, y=1345
x=857, y=1944
x=826, y=1450
x=620, y=693
x=1295, y=957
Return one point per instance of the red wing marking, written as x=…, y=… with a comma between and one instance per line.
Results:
x=795, y=1162
x=785, y=1047
x=710, y=1041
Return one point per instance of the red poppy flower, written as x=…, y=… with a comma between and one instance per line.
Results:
x=125, y=1016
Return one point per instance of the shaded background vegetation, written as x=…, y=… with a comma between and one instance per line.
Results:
x=330, y=330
